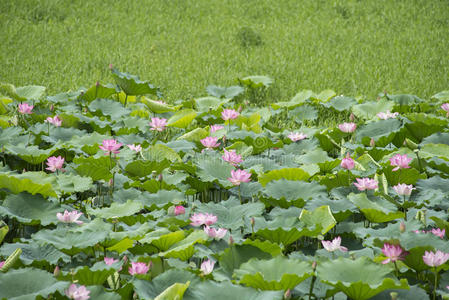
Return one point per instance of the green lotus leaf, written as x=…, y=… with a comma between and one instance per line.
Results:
x=359, y=279
x=98, y=91
x=32, y=253
x=116, y=210
x=378, y=211
x=434, y=190
x=408, y=176
x=4, y=105
x=121, y=246
x=139, y=168
x=314, y=156
x=279, y=273
x=266, y=246
x=31, y=182
x=341, y=208
x=341, y=103
x=182, y=118
x=132, y=85
x=249, y=123
x=30, y=209
x=163, y=239
x=303, y=113
x=291, y=174
x=107, y=107
x=11, y=135
x=439, y=164
x=321, y=217
x=184, y=249
x=162, y=198
x=280, y=234
x=157, y=107
x=160, y=152
x=30, y=92
x=414, y=293
x=206, y=104
x=297, y=100
x=369, y=110
x=324, y=96
x=195, y=135
x=28, y=283
x=151, y=289
x=31, y=154
x=94, y=275
x=255, y=82
x=61, y=134
x=175, y=291
x=93, y=140
x=285, y=193
x=215, y=169
x=423, y=125
x=383, y=132
x=4, y=229
x=225, y=290
x=235, y=255
x=136, y=231
x=241, y=148
x=225, y=92
x=98, y=293
x=71, y=183
x=432, y=150
x=437, y=138
x=441, y=96
x=231, y=214
x=96, y=168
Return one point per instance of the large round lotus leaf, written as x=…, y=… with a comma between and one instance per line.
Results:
x=157, y=107
x=132, y=85
x=321, y=217
x=284, y=236
x=98, y=91
x=95, y=275
x=163, y=239
x=34, y=252
x=437, y=138
x=266, y=246
x=313, y=157
x=182, y=118
x=213, y=169
x=304, y=113
x=369, y=110
x=297, y=100
x=382, y=132
x=195, y=135
x=96, y=168
x=378, y=211
x=225, y=290
x=32, y=154
x=28, y=283
x=116, y=210
x=341, y=103
x=30, y=209
x=175, y=291
x=184, y=249
x=279, y=273
x=432, y=150
x=359, y=279
x=256, y=81
x=407, y=176
x=61, y=134
x=110, y=108
x=414, y=293
x=234, y=256
x=72, y=183
x=434, y=191
x=206, y=104
x=162, y=198
x=284, y=173
x=424, y=126
x=31, y=182
x=160, y=152
x=225, y=92
x=293, y=190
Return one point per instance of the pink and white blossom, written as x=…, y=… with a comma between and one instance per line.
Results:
x=232, y=157
x=435, y=259
x=25, y=108
x=110, y=146
x=400, y=161
x=363, y=184
x=347, y=127
x=347, y=163
x=109, y=260
x=179, y=210
x=55, y=121
x=387, y=115
x=238, y=176
x=334, y=245
x=403, y=189
x=210, y=142
x=214, y=128
x=158, y=124
x=137, y=148
x=77, y=292
x=445, y=107
x=199, y=219
x=1, y=264
x=54, y=163
x=207, y=266
x=438, y=232
x=294, y=136
x=229, y=114
x=138, y=268
x=70, y=217
x=215, y=233
x=393, y=253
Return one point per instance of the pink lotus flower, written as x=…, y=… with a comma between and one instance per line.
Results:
x=238, y=176
x=393, y=253
x=137, y=148
x=403, y=189
x=55, y=121
x=215, y=233
x=438, y=232
x=158, y=124
x=25, y=108
x=160, y=102
x=366, y=184
x=445, y=107
x=229, y=114
x=347, y=127
x=207, y=266
x=334, y=245
x=210, y=142
x=110, y=146
x=110, y=260
x=347, y=163
x=435, y=259
x=77, y=292
x=54, y=163
x=179, y=210
x=138, y=268
x=387, y=115
x=70, y=217
x=1, y=264
x=199, y=219
x=214, y=128
x=400, y=161
x=232, y=157
x=294, y=136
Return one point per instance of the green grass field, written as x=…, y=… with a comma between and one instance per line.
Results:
x=352, y=47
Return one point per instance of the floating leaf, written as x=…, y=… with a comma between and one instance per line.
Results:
x=378, y=211
x=256, y=81
x=182, y=118
x=132, y=85
x=321, y=217
x=225, y=92
x=284, y=173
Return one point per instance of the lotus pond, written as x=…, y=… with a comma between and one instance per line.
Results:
x=109, y=192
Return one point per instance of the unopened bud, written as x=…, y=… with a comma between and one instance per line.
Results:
x=394, y=295
x=314, y=265
x=150, y=264
x=240, y=109
x=97, y=84
x=352, y=117
x=56, y=271
x=253, y=221
x=288, y=294
x=224, y=139
x=111, y=182
x=372, y=143
x=231, y=240
x=246, y=102
x=402, y=227
x=160, y=177
x=52, y=107
x=111, y=66
x=125, y=259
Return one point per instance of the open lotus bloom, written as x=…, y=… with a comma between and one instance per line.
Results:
x=229, y=114
x=232, y=157
x=294, y=136
x=207, y=266
x=54, y=163
x=347, y=163
x=435, y=259
x=55, y=121
x=1, y=264
x=110, y=146
x=70, y=217
x=77, y=292
x=199, y=219
x=179, y=210
x=215, y=233
x=137, y=148
x=347, y=127
x=238, y=176
x=158, y=124
x=25, y=108
x=393, y=253
x=138, y=268
x=400, y=161
x=403, y=189
x=210, y=142
x=214, y=128
x=363, y=184
x=110, y=260
x=445, y=107
x=334, y=245
x=387, y=115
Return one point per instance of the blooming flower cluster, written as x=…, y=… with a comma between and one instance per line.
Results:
x=387, y=115
x=363, y=184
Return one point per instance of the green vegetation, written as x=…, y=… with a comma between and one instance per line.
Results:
x=352, y=47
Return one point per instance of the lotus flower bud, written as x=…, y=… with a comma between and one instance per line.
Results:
x=224, y=139
x=111, y=66
x=110, y=182
x=402, y=227
x=288, y=294
x=231, y=240
x=352, y=117
x=372, y=143
x=246, y=102
x=56, y=272
x=314, y=265
x=52, y=107
x=240, y=109
x=97, y=84
x=125, y=259
x=160, y=177
x=150, y=264
x=253, y=221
